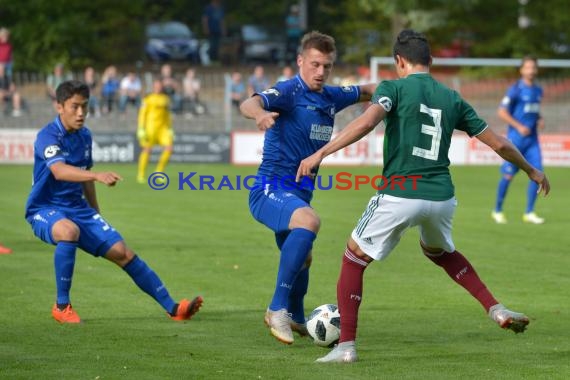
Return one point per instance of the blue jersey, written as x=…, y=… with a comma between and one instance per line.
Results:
x=54, y=144
x=304, y=125
x=523, y=103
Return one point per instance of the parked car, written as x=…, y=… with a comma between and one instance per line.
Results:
x=259, y=43
x=171, y=40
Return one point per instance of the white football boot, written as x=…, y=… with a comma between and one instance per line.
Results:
x=499, y=217
x=344, y=352
x=508, y=319
x=531, y=217
x=279, y=322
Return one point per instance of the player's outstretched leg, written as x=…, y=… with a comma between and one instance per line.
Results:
x=344, y=352
x=462, y=272
x=508, y=319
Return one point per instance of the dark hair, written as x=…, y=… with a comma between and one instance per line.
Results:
x=319, y=41
x=69, y=88
x=527, y=58
x=413, y=46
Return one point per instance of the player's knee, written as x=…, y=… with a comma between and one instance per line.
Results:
x=508, y=177
x=431, y=252
x=120, y=254
x=65, y=230
x=355, y=249
x=305, y=218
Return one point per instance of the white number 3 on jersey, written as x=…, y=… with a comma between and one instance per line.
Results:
x=434, y=131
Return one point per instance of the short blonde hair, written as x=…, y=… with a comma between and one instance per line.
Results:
x=319, y=41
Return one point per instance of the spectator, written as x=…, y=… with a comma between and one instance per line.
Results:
x=109, y=87
x=294, y=32
x=91, y=81
x=6, y=51
x=131, y=92
x=53, y=80
x=257, y=82
x=171, y=87
x=214, y=27
x=191, y=94
x=286, y=74
x=8, y=93
x=238, y=91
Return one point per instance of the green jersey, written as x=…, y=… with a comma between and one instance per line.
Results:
x=421, y=116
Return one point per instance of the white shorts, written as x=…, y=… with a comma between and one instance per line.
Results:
x=386, y=218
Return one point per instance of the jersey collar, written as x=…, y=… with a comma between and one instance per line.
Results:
x=60, y=125
x=303, y=84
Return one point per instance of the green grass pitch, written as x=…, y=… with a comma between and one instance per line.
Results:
x=415, y=323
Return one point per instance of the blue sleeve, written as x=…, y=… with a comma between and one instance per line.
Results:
x=48, y=148
x=510, y=99
x=345, y=96
x=89, y=141
x=279, y=97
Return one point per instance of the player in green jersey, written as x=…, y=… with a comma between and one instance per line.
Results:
x=420, y=116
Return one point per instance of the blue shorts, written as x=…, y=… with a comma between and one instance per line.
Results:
x=274, y=208
x=96, y=236
x=530, y=151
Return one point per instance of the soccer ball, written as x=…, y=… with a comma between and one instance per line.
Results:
x=324, y=325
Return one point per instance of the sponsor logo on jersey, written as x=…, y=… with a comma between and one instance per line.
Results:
x=39, y=218
x=532, y=108
x=321, y=132
x=51, y=151
x=346, y=88
x=386, y=103
x=271, y=91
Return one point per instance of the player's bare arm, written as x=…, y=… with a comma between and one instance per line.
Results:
x=366, y=91
x=504, y=148
x=505, y=115
x=354, y=131
x=64, y=172
x=252, y=108
x=540, y=124
x=90, y=194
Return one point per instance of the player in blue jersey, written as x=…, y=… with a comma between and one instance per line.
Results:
x=520, y=109
x=63, y=211
x=298, y=117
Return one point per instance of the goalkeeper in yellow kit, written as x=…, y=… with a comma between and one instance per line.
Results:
x=154, y=128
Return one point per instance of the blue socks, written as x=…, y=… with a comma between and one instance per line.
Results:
x=149, y=282
x=299, y=290
x=64, y=262
x=297, y=295
x=531, y=196
x=293, y=255
x=502, y=193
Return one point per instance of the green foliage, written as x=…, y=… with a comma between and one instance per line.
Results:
x=415, y=322
x=102, y=32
